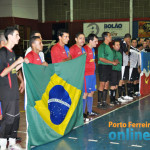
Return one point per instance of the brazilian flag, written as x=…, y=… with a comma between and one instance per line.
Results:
x=53, y=99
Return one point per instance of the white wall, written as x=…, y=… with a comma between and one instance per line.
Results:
x=5, y=8
x=25, y=9
x=19, y=8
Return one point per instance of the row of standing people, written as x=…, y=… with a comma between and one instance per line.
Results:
x=10, y=70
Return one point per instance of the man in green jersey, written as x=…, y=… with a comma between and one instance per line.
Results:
x=105, y=62
x=116, y=73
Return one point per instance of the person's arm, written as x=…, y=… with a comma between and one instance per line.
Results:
x=15, y=64
x=108, y=61
x=67, y=59
x=20, y=77
x=101, y=51
x=44, y=63
x=72, y=53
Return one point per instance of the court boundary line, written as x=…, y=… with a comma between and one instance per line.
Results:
x=112, y=111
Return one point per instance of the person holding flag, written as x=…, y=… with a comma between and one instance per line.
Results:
x=33, y=56
x=90, y=76
x=77, y=50
x=60, y=52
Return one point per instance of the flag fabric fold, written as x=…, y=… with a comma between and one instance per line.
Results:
x=145, y=73
x=53, y=99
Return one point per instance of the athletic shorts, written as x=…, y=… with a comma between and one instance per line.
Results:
x=89, y=83
x=134, y=74
x=115, y=78
x=125, y=73
x=104, y=72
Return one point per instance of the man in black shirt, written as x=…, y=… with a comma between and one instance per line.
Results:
x=9, y=94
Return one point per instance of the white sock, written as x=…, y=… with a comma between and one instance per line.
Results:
x=3, y=143
x=12, y=141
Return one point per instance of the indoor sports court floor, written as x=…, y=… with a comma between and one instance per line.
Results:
x=95, y=134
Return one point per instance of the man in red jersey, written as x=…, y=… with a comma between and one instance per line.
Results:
x=90, y=77
x=60, y=52
x=33, y=56
x=77, y=50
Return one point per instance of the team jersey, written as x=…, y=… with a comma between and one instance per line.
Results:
x=90, y=60
x=75, y=51
x=104, y=51
x=41, y=54
x=34, y=58
x=123, y=50
x=134, y=57
x=117, y=56
x=8, y=83
x=58, y=53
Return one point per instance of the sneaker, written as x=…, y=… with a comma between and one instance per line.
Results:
x=122, y=100
x=112, y=103
x=15, y=147
x=117, y=102
x=92, y=114
x=104, y=105
x=129, y=98
x=99, y=105
x=86, y=120
x=137, y=94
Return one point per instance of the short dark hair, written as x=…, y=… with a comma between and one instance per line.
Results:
x=127, y=35
x=104, y=34
x=2, y=37
x=33, y=39
x=9, y=30
x=91, y=37
x=61, y=32
x=133, y=39
x=139, y=45
x=33, y=33
x=146, y=39
x=77, y=35
x=115, y=41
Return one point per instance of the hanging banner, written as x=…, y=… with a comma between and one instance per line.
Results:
x=144, y=29
x=117, y=29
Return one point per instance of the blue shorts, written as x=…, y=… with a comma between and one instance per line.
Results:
x=89, y=83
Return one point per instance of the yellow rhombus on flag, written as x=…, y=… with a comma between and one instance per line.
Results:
x=58, y=104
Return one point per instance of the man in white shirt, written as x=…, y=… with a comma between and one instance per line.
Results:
x=41, y=54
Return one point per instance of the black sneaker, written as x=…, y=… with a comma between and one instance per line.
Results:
x=92, y=114
x=99, y=105
x=117, y=102
x=104, y=105
x=112, y=103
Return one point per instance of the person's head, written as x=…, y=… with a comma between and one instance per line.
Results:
x=2, y=40
x=134, y=42
x=63, y=36
x=141, y=40
x=107, y=37
x=36, y=44
x=147, y=41
x=92, y=39
x=140, y=47
x=12, y=35
x=35, y=33
x=116, y=45
x=80, y=39
x=127, y=38
x=144, y=44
